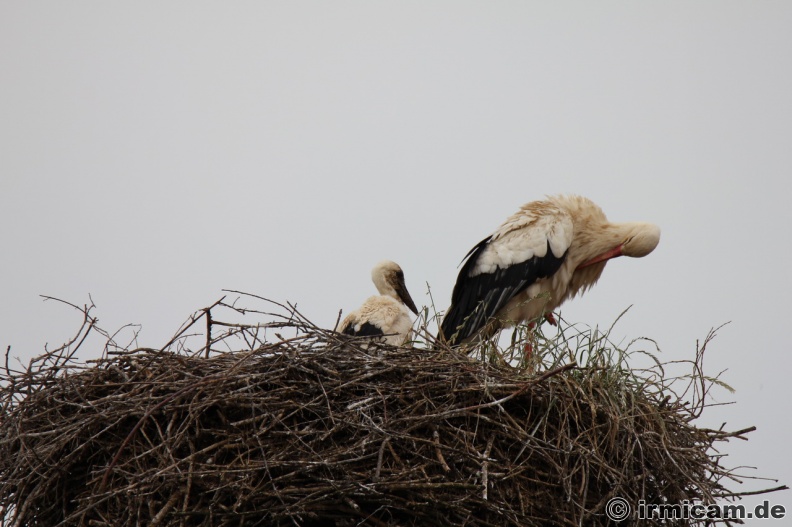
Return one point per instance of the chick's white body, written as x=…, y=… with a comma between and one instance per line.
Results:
x=387, y=315
x=390, y=316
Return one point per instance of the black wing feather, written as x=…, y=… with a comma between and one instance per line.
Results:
x=477, y=299
x=366, y=330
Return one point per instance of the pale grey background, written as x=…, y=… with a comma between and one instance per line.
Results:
x=152, y=154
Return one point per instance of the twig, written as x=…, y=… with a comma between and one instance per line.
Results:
x=165, y=509
x=438, y=452
x=379, y=459
x=208, y=331
x=754, y=492
x=485, y=467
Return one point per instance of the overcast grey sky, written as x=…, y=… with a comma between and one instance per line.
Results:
x=155, y=153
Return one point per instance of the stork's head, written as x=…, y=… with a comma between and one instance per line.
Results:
x=636, y=239
x=388, y=277
x=643, y=239
x=596, y=240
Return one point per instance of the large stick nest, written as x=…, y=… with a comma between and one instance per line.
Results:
x=319, y=429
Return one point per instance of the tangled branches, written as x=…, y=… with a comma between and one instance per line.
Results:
x=319, y=429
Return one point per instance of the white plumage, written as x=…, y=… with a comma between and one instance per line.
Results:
x=385, y=316
x=547, y=252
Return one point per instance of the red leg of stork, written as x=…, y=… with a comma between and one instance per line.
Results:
x=532, y=325
x=529, y=345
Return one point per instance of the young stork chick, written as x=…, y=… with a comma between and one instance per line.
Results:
x=547, y=252
x=385, y=316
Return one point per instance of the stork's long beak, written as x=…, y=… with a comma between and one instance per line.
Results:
x=613, y=253
x=401, y=290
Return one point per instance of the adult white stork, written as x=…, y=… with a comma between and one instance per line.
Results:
x=385, y=315
x=547, y=252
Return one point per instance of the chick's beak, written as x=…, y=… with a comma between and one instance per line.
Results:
x=401, y=290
